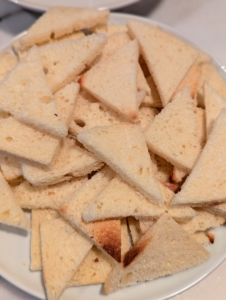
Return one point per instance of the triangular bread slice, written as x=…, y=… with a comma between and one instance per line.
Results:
x=23, y=134
x=10, y=211
x=72, y=19
x=61, y=255
x=63, y=61
x=123, y=148
x=118, y=77
x=172, y=134
x=200, y=187
x=214, y=102
x=26, y=142
x=38, y=216
x=118, y=200
x=25, y=94
x=104, y=234
x=72, y=160
x=35, y=197
x=167, y=57
x=94, y=269
x=149, y=259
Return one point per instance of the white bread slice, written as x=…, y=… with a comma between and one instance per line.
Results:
x=21, y=52
x=94, y=269
x=72, y=160
x=10, y=167
x=65, y=101
x=214, y=78
x=202, y=221
x=115, y=42
x=10, y=212
x=118, y=200
x=106, y=234
x=61, y=255
x=123, y=148
x=63, y=61
x=200, y=187
x=38, y=216
x=26, y=142
x=7, y=62
x=167, y=57
x=214, y=102
x=118, y=77
x=25, y=94
x=89, y=112
x=149, y=259
x=33, y=197
x=172, y=134
x=71, y=19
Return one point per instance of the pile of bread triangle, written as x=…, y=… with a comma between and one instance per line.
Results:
x=112, y=135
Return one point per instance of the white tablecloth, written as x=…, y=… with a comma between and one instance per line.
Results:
x=202, y=21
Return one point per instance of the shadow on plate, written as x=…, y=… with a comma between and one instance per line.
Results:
x=140, y=8
x=13, y=230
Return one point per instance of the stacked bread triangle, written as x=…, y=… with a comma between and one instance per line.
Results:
x=113, y=137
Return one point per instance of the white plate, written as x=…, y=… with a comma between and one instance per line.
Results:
x=14, y=254
x=43, y=5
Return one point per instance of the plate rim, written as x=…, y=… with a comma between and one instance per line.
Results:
x=124, y=17
x=43, y=8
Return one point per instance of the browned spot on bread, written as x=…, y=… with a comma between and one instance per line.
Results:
x=133, y=252
x=51, y=193
x=191, y=80
x=108, y=234
x=173, y=187
x=132, y=114
x=81, y=80
x=63, y=209
x=130, y=255
x=210, y=236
